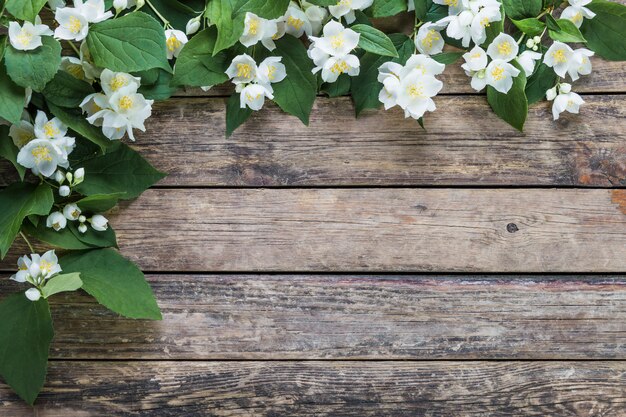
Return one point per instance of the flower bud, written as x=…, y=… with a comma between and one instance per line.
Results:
x=565, y=88
x=79, y=176
x=82, y=228
x=71, y=211
x=530, y=43
x=64, y=191
x=82, y=219
x=537, y=39
x=192, y=26
x=33, y=294
x=551, y=94
x=535, y=48
x=120, y=5
x=56, y=220
x=140, y=3
x=59, y=177
x=99, y=223
x=69, y=176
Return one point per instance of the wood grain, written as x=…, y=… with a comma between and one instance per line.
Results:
x=372, y=230
x=209, y=317
x=328, y=389
x=465, y=144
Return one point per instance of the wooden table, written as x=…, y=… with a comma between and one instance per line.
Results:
x=365, y=267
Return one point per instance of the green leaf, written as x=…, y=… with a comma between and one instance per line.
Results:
x=421, y=9
x=196, y=65
x=12, y=98
x=552, y=24
x=235, y=115
x=121, y=170
x=323, y=2
x=520, y=9
x=568, y=33
x=365, y=86
x=161, y=89
x=63, y=239
x=229, y=27
x=62, y=283
x=114, y=281
x=375, y=41
x=18, y=201
x=605, y=32
x=539, y=82
x=531, y=26
x=178, y=13
x=134, y=42
x=34, y=69
x=9, y=151
x=25, y=9
x=404, y=45
x=272, y=9
x=386, y=8
x=94, y=238
x=296, y=93
x=447, y=57
x=99, y=203
x=341, y=87
x=66, y=90
x=25, y=336
x=511, y=107
x=76, y=121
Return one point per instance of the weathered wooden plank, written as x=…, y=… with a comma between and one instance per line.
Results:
x=354, y=317
x=337, y=389
x=399, y=229
x=465, y=144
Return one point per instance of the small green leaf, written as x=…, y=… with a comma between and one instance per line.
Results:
x=62, y=283
x=521, y=9
x=296, y=93
x=539, y=82
x=552, y=24
x=134, y=42
x=272, y=9
x=511, y=107
x=447, y=58
x=605, y=33
x=196, y=65
x=95, y=238
x=341, y=87
x=161, y=89
x=18, y=201
x=178, y=13
x=386, y=8
x=568, y=33
x=375, y=41
x=235, y=115
x=12, y=98
x=531, y=26
x=34, y=69
x=99, y=203
x=25, y=9
x=120, y=170
x=365, y=86
x=9, y=151
x=114, y=281
x=63, y=239
x=66, y=90
x=25, y=336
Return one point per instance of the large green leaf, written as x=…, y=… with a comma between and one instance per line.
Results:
x=272, y=9
x=134, y=42
x=196, y=65
x=12, y=98
x=161, y=89
x=178, y=13
x=25, y=9
x=235, y=115
x=521, y=9
x=375, y=41
x=605, y=33
x=18, y=201
x=25, y=335
x=229, y=26
x=511, y=107
x=385, y=8
x=296, y=93
x=568, y=32
x=9, y=151
x=62, y=283
x=99, y=203
x=66, y=90
x=530, y=26
x=34, y=69
x=63, y=239
x=76, y=121
x=121, y=170
x=541, y=81
x=114, y=281
x=365, y=86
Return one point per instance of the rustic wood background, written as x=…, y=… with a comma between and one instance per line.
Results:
x=364, y=267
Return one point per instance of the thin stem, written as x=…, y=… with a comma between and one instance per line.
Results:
x=27, y=242
x=154, y=9
x=74, y=47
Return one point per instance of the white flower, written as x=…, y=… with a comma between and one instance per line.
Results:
x=54, y=4
x=331, y=53
x=22, y=133
x=499, y=74
x=257, y=29
x=424, y=64
x=72, y=24
x=271, y=70
x=42, y=157
x=297, y=22
x=428, y=39
x=335, y=66
x=99, y=223
x=28, y=36
x=71, y=211
x=389, y=76
x=120, y=5
x=316, y=16
x=193, y=25
x=79, y=175
x=580, y=63
x=551, y=93
x=565, y=60
x=475, y=66
x=454, y=6
x=114, y=81
x=576, y=11
x=55, y=131
x=566, y=101
x=33, y=294
x=56, y=220
x=93, y=10
x=468, y=20
x=174, y=41
x=503, y=47
x=253, y=96
x=242, y=70
x=346, y=8
x=527, y=61
x=64, y=191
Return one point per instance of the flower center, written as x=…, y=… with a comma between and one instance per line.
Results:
x=295, y=22
x=252, y=98
x=45, y=266
x=118, y=82
x=173, y=43
x=50, y=129
x=345, y=3
x=497, y=73
x=505, y=48
x=271, y=72
x=484, y=22
x=24, y=37
x=430, y=38
x=336, y=41
x=126, y=102
x=74, y=25
x=415, y=91
x=244, y=70
x=41, y=153
x=451, y=2
x=339, y=67
x=577, y=17
x=559, y=56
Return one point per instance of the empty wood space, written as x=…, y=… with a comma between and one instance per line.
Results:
x=363, y=267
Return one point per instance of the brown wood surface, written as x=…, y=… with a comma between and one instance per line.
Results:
x=329, y=389
x=209, y=317
x=365, y=230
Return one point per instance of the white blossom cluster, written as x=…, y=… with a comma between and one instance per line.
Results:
x=332, y=52
x=36, y=270
x=254, y=83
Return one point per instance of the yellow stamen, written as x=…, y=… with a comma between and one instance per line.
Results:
x=24, y=37
x=415, y=91
x=295, y=22
x=173, y=43
x=577, y=17
x=118, y=82
x=244, y=70
x=484, y=22
x=126, y=102
x=430, y=38
x=45, y=266
x=559, y=56
x=50, y=129
x=252, y=98
x=451, y=3
x=498, y=73
x=271, y=72
x=340, y=67
x=504, y=48
x=41, y=153
x=336, y=41
x=74, y=25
